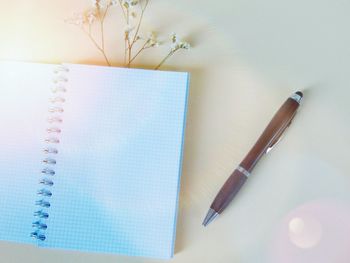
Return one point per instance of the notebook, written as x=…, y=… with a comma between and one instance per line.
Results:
x=90, y=157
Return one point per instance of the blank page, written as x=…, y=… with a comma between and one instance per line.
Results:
x=119, y=162
x=24, y=94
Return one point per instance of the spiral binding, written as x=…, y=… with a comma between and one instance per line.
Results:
x=48, y=172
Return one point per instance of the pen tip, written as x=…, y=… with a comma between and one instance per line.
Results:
x=299, y=93
x=210, y=217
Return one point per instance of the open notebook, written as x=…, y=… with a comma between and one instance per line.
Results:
x=90, y=157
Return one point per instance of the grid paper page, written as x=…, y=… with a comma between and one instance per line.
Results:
x=119, y=165
x=24, y=95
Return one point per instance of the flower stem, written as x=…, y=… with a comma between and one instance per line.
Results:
x=139, y=52
x=126, y=20
x=166, y=58
x=139, y=23
x=130, y=41
x=125, y=51
x=128, y=36
x=102, y=27
x=129, y=56
x=96, y=44
x=121, y=6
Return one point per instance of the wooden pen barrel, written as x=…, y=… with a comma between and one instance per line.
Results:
x=270, y=135
x=272, y=132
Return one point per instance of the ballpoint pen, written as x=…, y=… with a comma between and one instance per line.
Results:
x=270, y=136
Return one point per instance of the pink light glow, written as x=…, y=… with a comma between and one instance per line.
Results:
x=317, y=231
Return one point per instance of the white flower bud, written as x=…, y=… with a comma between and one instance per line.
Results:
x=176, y=43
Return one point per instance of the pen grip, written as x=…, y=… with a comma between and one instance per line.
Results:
x=228, y=191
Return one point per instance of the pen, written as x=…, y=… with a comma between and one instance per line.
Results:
x=264, y=144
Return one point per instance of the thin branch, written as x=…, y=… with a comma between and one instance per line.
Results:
x=125, y=51
x=102, y=36
x=138, y=53
x=146, y=4
x=140, y=21
x=129, y=53
x=122, y=7
x=126, y=17
x=96, y=44
x=166, y=58
x=105, y=13
x=129, y=43
x=128, y=36
x=102, y=27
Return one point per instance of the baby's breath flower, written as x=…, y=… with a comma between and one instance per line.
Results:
x=97, y=4
x=77, y=19
x=98, y=12
x=129, y=3
x=127, y=32
x=112, y=2
x=153, y=40
x=91, y=16
x=133, y=15
x=176, y=43
x=129, y=29
x=184, y=45
x=174, y=38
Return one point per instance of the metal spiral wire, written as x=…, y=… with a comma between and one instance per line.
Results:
x=48, y=173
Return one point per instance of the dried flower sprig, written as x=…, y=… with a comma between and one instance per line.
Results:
x=86, y=19
x=176, y=45
x=133, y=13
x=130, y=37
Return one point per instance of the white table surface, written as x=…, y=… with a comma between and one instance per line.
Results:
x=248, y=56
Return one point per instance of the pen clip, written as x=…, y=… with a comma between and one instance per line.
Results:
x=278, y=138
